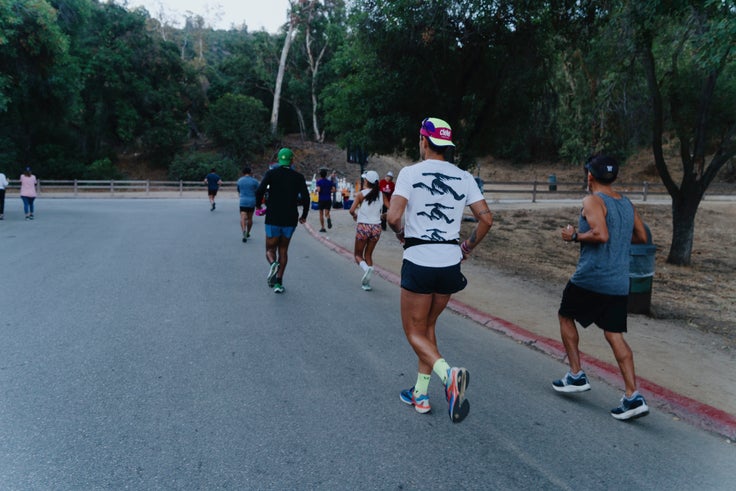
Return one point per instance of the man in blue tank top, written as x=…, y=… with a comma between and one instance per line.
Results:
x=598, y=291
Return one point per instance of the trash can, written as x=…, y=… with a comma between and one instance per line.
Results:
x=552, y=182
x=641, y=276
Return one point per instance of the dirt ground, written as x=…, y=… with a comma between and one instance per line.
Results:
x=703, y=296
x=525, y=241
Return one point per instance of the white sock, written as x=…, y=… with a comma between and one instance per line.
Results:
x=363, y=265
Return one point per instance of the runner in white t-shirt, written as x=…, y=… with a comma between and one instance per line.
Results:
x=431, y=197
x=366, y=210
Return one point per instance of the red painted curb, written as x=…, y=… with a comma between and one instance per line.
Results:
x=694, y=412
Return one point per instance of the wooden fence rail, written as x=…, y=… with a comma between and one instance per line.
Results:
x=522, y=190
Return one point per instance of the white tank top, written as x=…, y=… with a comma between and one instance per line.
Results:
x=370, y=212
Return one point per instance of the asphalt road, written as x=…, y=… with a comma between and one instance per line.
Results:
x=140, y=348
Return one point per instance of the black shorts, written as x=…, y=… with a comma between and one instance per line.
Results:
x=423, y=279
x=212, y=192
x=247, y=209
x=324, y=205
x=608, y=312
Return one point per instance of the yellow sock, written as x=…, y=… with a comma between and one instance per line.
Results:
x=440, y=368
x=422, y=385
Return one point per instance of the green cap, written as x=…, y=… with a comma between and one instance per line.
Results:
x=285, y=156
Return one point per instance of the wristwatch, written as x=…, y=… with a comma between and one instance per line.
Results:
x=574, y=237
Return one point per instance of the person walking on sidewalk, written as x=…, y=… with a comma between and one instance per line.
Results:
x=598, y=290
x=431, y=197
x=3, y=184
x=213, y=182
x=28, y=193
x=325, y=188
x=366, y=210
x=286, y=189
x=247, y=186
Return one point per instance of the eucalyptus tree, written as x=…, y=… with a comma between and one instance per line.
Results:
x=288, y=39
x=321, y=31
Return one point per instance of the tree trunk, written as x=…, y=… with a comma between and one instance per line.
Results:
x=683, y=230
x=313, y=68
x=280, y=78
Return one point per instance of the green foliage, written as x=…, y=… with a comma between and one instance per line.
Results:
x=194, y=166
x=239, y=123
x=102, y=169
x=480, y=65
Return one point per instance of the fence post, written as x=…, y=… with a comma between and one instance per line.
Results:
x=646, y=190
x=76, y=188
x=148, y=186
x=112, y=188
x=534, y=192
x=39, y=186
x=181, y=188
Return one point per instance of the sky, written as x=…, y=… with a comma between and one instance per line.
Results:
x=220, y=14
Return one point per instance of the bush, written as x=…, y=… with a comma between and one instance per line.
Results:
x=102, y=169
x=194, y=166
x=240, y=124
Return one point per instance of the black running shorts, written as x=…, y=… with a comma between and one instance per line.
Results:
x=423, y=279
x=587, y=307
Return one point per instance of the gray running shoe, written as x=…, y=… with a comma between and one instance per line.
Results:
x=636, y=407
x=271, y=278
x=568, y=383
x=366, y=281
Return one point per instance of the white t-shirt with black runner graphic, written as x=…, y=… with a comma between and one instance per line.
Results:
x=437, y=194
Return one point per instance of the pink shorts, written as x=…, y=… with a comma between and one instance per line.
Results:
x=368, y=231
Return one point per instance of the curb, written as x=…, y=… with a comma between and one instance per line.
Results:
x=684, y=408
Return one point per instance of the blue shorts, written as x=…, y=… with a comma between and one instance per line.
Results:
x=587, y=307
x=277, y=231
x=423, y=279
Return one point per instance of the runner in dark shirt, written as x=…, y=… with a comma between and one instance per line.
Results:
x=286, y=189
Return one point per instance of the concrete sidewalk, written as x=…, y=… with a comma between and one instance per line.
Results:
x=681, y=371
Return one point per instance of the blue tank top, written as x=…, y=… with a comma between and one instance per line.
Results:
x=604, y=268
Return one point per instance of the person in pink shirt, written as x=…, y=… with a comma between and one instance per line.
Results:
x=28, y=192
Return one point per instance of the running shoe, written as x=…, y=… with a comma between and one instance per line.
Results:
x=329, y=223
x=568, y=383
x=245, y=237
x=366, y=281
x=278, y=288
x=636, y=407
x=322, y=230
x=271, y=278
x=457, y=382
x=366, y=288
x=421, y=403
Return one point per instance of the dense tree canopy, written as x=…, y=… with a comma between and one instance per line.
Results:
x=83, y=82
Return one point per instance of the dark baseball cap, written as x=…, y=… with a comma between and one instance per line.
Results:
x=603, y=168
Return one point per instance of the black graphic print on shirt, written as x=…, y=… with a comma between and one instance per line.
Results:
x=436, y=212
x=440, y=185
